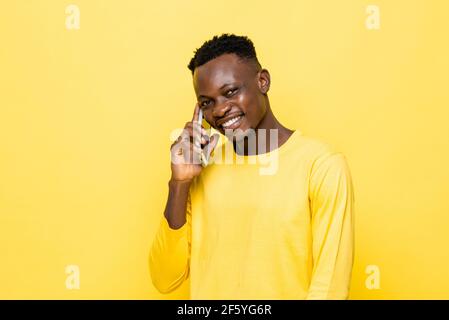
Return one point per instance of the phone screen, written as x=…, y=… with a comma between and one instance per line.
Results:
x=203, y=121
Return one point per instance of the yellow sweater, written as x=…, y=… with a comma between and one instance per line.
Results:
x=284, y=235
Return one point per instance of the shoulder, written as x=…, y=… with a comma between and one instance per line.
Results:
x=315, y=145
x=322, y=155
x=316, y=149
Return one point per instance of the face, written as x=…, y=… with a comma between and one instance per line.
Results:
x=232, y=93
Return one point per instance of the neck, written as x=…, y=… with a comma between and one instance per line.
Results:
x=250, y=144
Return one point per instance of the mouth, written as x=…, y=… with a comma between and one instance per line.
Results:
x=233, y=123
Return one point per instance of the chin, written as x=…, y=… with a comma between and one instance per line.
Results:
x=239, y=134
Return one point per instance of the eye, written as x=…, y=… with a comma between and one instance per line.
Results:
x=230, y=92
x=204, y=103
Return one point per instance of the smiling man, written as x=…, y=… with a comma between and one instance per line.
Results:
x=237, y=233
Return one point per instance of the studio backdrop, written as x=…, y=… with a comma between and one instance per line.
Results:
x=91, y=91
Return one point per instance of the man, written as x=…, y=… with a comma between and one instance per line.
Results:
x=240, y=234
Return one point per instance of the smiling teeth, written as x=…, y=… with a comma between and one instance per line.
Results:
x=231, y=122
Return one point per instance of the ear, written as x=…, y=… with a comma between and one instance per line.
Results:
x=263, y=81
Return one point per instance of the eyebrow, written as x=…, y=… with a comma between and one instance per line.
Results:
x=224, y=85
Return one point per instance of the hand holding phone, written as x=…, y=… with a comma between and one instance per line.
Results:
x=191, y=151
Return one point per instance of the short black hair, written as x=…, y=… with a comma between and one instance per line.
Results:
x=242, y=46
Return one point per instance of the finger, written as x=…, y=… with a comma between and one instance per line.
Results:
x=195, y=154
x=187, y=154
x=186, y=134
x=190, y=125
x=196, y=112
x=199, y=142
x=177, y=154
x=198, y=134
x=197, y=149
x=179, y=140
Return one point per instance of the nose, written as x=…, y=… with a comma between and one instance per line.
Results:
x=220, y=109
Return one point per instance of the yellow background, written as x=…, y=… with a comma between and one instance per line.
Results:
x=85, y=119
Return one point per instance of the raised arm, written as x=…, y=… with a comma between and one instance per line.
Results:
x=170, y=251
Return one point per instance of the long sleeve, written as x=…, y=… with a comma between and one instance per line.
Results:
x=331, y=198
x=170, y=254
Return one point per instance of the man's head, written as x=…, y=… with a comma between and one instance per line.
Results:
x=229, y=82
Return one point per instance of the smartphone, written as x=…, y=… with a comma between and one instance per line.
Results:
x=204, y=161
x=204, y=123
